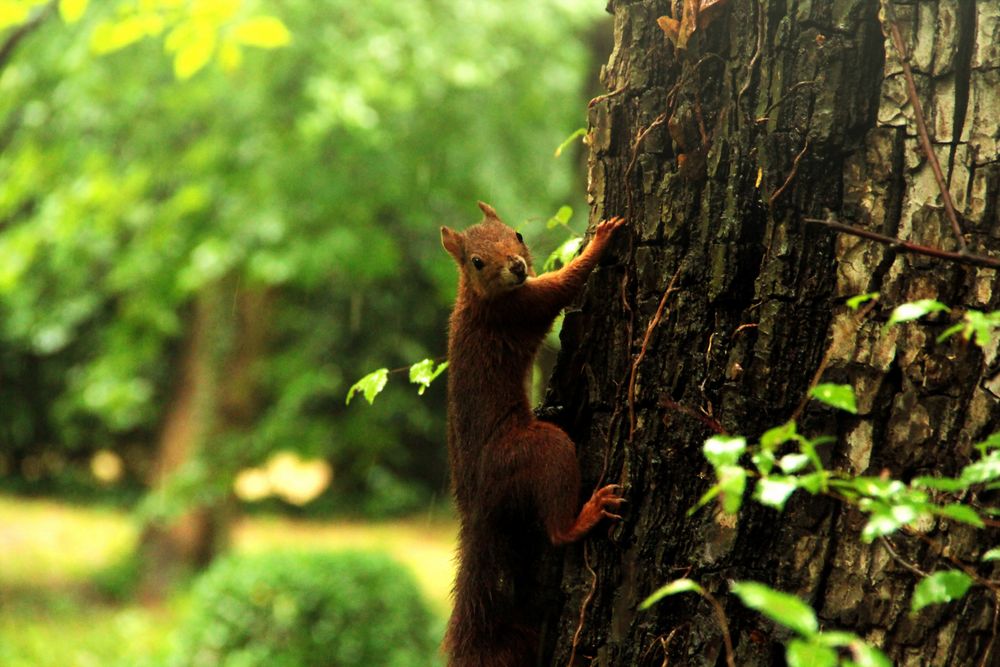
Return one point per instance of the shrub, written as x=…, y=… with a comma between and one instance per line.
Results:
x=302, y=609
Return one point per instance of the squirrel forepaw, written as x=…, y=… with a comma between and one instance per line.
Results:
x=606, y=228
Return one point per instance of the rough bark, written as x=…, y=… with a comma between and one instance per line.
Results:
x=808, y=99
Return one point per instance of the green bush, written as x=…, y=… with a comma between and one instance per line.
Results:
x=301, y=609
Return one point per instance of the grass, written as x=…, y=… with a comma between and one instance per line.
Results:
x=50, y=614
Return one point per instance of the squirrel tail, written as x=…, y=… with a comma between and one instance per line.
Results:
x=484, y=630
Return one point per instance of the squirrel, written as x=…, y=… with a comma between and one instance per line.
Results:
x=511, y=473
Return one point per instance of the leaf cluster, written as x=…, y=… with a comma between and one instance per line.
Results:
x=314, y=173
x=784, y=461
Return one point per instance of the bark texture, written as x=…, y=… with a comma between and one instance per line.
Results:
x=778, y=110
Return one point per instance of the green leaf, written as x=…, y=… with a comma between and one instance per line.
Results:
x=840, y=396
x=981, y=325
x=950, y=331
x=793, y=462
x=992, y=554
x=266, y=32
x=915, y=310
x=192, y=58
x=724, y=450
x=764, y=461
x=835, y=638
x=561, y=218
x=111, y=36
x=992, y=441
x=777, y=436
x=672, y=588
x=885, y=521
x=855, y=301
x=939, y=483
x=72, y=10
x=732, y=483
x=705, y=498
x=814, y=482
x=423, y=373
x=564, y=254
x=786, y=609
x=962, y=513
x=878, y=487
x=986, y=470
x=940, y=587
x=806, y=654
x=774, y=491
x=582, y=132
x=370, y=385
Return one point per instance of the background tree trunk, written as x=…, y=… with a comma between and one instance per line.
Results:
x=777, y=111
x=215, y=396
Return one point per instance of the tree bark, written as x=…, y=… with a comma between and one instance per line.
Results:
x=777, y=111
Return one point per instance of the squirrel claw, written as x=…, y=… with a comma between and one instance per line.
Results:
x=607, y=227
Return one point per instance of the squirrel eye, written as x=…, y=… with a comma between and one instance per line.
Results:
x=520, y=238
x=478, y=263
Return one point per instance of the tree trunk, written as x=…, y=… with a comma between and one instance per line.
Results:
x=774, y=112
x=215, y=395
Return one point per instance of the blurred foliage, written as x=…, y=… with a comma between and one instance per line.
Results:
x=55, y=551
x=132, y=181
x=303, y=609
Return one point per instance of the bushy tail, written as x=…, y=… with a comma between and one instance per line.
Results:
x=486, y=628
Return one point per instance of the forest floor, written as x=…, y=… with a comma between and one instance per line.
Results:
x=50, y=553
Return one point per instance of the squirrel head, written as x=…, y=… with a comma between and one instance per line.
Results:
x=491, y=256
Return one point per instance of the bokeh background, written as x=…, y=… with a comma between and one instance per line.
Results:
x=216, y=216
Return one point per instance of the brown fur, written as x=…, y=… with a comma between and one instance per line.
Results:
x=509, y=471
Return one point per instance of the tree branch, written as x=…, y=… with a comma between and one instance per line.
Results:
x=909, y=246
x=25, y=29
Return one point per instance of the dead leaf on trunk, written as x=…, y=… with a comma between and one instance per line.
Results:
x=695, y=15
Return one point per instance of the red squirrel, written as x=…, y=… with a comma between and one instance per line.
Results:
x=509, y=470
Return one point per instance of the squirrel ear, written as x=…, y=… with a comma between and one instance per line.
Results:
x=488, y=210
x=452, y=242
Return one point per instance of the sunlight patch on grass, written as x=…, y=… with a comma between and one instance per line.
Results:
x=50, y=543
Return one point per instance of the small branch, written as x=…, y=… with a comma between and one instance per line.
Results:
x=791, y=175
x=25, y=29
x=721, y=615
x=908, y=246
x=943, y=553
x=918, y=113
x=884, y=541
x=406, y=369
x=606, y=96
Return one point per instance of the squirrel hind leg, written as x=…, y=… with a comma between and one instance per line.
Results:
x=556, y=479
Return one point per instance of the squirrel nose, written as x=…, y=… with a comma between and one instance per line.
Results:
x=517, y=266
